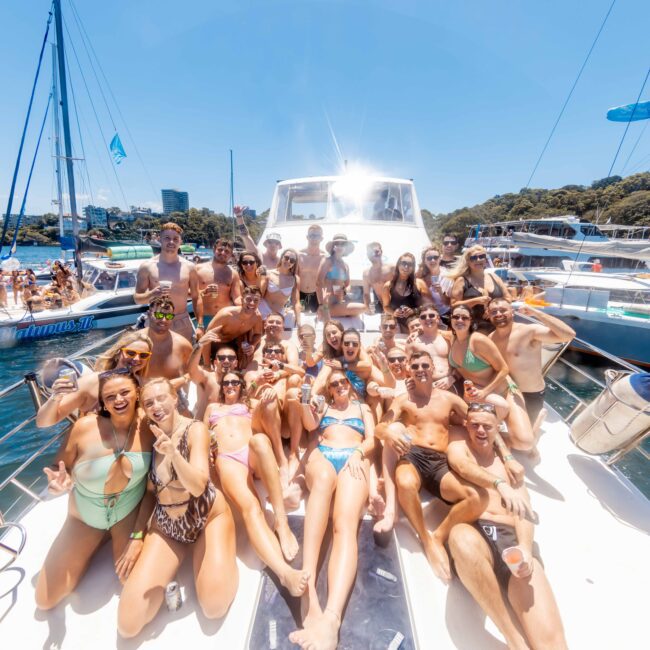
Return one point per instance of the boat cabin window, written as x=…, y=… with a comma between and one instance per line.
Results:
x=126, y=279
x=591, y=231
x=344, y=199
x=105, y=281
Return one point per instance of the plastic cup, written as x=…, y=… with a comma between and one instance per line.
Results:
x=165, y=285
x=513, y=557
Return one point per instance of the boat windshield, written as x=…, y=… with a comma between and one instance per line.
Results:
x=343, y=199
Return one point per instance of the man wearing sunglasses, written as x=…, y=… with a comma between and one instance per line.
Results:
x=171, y=276
x=521, y=347
x=416, y=428
x=389, y=337
x=171, y=351
x=505, y=522
x=273, y=331
x=375, y=277
x=449, y=251
x=219, y=285
x=309, y=261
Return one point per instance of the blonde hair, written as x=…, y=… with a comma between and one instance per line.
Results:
x=158, y=380
x=109, y=359
x=462, y=265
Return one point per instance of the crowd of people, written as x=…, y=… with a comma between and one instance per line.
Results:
x=437, y=401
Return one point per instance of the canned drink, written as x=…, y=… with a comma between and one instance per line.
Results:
x=305, y=393
x=320, y=400
x=407, y=437
x=173, y=598
x=70, y=374
x=372, y=307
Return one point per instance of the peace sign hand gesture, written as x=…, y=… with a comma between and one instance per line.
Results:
x=163, y=444
x=58, y=480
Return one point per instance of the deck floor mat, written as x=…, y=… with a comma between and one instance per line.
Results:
x=376, y=612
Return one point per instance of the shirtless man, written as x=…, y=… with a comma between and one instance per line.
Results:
x=272, y=244
x=388, y=338
x=476, y=548
x=309, y=261
x=171, y=351
x=273, y=330
x=376, y=276
x=219, y=285
x=240, y=326
x=431, y=340
x=520, y=345
x=416, y=428
x=169, y=267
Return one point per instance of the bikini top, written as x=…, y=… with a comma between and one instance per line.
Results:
x=354, y=423
x=236, y=410
x=337, y=273
x=184, y=450
x=471, y=361
x=271, y=287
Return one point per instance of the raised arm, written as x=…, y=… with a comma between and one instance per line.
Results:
x=65, y=400
x=550, y=329
x=243, y=230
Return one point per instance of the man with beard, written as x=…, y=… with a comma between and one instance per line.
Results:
x=273, y=330
x=388, y=338
x=521, y=346
x=171, y=276
x=309, y=261
x=376, y=276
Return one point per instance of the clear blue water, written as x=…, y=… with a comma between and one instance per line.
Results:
x=15, y=362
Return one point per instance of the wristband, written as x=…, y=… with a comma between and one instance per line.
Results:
x=243, y=230
x=497, y=482
x=139, y=534
x=508, y=457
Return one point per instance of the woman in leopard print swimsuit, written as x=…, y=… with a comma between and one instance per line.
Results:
x=190, y=514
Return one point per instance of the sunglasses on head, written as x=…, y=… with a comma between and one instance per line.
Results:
x=461, y=317
x=115, y=371
x=389, y=326
x=338, y=382
x=226, y=357
x=396, y=359
x=231, y=382
x=428, y=316
x=482, y=406
x=480, y=257
x=159, y=315
x=248, y=262
x=420, y=366
x=351, y=344
x=132, y=354
x=432, y=258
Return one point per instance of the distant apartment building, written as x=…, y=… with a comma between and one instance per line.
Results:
x=175, y=201
x=96, y=217
x=140, y=213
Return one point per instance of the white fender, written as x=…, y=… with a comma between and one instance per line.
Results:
x=617, y=416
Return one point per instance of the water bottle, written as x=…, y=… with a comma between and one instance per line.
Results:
x=173, y=598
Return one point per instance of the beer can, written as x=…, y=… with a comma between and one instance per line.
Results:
x=305, y=393
x=173, y=597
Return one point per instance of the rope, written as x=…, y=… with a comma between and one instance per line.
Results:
x=12, y=250
x=566, y=101
x=22, y=139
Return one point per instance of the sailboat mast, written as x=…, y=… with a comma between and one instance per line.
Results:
x=232, y=196
x=57, y=139
x=66, y=133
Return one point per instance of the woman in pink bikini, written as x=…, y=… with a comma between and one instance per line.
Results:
x=237, y=455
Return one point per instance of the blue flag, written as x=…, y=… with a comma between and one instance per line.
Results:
x=117, y=149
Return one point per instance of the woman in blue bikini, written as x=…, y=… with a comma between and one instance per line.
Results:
x=337, y=469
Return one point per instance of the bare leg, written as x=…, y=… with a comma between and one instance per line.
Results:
x=144, y=590
x=519, y=428
x=388, y=462
x=263, y=463
x=347, y=309
x=475, y=569
x=376, y=503
x=268, y=419
x=294, y=418
x=534, y=605
x=235, y=481
x=215, y=567
x=66, y=562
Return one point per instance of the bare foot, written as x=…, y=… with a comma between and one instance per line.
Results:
x=376, y=505
x=321, y=634
x=438, y=558
x=288, y=541
x=386, y=523
x=291, y=496
x=295, y=581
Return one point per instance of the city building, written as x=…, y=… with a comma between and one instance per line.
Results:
x=175, y=201
x=96, y=217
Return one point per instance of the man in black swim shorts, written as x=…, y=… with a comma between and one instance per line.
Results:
x=309, y=261
x=520, y=600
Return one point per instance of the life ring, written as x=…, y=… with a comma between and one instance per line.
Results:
x=617, y=416
x=114, y=265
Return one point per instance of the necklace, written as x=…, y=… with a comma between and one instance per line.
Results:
x=120, y=451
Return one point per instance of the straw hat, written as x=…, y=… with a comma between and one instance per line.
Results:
x=349, y=246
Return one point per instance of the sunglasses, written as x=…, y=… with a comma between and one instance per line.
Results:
x=273, y=350
x=481, y=406
x=460, y=317
x=449, y=242
x=338, y=382
x=226, y=357
x=420, y=366
x=231, y=382
x=427, y=316
x=314, y=235
x=338, y=244
x=248, y=262
x=406, y=264
x=397, y=360
x=351, y=344
x=158, y=315
x=132, y=354
x=478, y=258
x=115, y=371
x=289, y=258
x=389, y=326
x=432, y=258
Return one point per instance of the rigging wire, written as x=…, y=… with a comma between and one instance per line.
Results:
x=86, y=39
x=566, y=101
x=627, y=160
x=22, y=139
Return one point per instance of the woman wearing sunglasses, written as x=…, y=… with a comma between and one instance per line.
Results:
x=249, y=265
x=283, y=287
x=337, y=470
x=132, y=351
x=478, y=359
x=238, y=455
x=401, y=296
x=430, y=282
x=474, y=288
x=103, y=464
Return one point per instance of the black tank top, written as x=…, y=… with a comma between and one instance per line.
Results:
x=478, y=311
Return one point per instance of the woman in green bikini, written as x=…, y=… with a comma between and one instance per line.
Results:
x=103, y=463
x=478, y=359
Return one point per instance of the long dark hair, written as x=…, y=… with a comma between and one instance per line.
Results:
x=355, y=333
x=410, y=281
x=104, y=378
x=240, y=267
x=328, y=351
x=472, y=322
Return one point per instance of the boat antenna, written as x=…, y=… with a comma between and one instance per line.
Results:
x=65, y=117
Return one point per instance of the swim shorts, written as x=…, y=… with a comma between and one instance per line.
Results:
x=309, y=302
x=534, y=404
x=431, y=466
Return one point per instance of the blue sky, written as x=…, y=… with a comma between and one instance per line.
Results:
x=459, y=96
